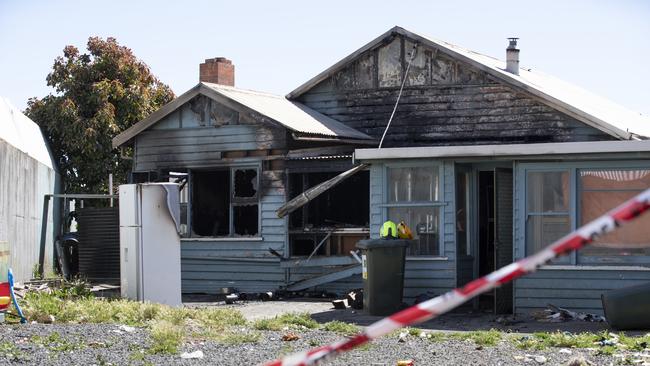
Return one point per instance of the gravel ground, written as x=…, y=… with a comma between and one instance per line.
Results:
x=104, y=344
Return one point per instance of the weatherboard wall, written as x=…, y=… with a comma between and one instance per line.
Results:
x=208, y=264
x=201, y=133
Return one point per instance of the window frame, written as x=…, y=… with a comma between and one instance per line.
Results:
x=571, y=209
x=600, y=259
x=257, y=166
x=385, y=205
x=574, y=259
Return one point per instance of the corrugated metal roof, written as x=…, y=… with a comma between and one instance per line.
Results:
x=293, y=115
x=593, y=105
x=587, y=107
x=322, y=157
x=23, y=133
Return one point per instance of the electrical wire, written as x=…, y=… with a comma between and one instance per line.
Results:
x=399, y=95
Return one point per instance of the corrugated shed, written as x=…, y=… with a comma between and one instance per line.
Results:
x=295, y=116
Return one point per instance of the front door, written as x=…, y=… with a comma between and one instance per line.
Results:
x=484, y=229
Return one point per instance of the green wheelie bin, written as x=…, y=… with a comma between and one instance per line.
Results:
x=383, y=274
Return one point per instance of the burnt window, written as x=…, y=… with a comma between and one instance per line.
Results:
x=333, y=222
x=225, y=202
x=345, y=205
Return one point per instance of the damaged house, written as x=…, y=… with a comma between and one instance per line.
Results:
x=486, y=161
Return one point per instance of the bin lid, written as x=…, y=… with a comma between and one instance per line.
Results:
x=383, y=243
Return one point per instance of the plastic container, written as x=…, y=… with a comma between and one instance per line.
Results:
x=383, y=274
x=628, y=308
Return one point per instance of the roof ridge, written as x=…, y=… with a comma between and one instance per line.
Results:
x=241, y=90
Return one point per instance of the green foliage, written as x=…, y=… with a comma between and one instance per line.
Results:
x=54, y=342
x=97, y=95
x=606, y=342
x=415, y=332
x=480, y=337
x=289, y=320
x=238, y=337
x=166, y=337
x=340, y=327
x=9, y=351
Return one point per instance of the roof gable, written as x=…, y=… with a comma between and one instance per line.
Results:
x=586, y=107
x=289, y=114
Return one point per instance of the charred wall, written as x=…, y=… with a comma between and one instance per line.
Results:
x=444, y=102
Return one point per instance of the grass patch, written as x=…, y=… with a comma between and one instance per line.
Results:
x=168, y=326
x=166, y=337
x=606, y=342
x=289, y=320
x=9, y=351
x=415, y=332
x=54, y=342
x=481, y=337
x=340, y=327
x=239, y=337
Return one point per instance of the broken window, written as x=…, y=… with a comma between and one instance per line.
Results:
x=225, y=202
x=333, y=222
x=184, y=198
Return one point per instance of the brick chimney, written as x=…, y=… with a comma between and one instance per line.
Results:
x=512, y=56
x=218, y=70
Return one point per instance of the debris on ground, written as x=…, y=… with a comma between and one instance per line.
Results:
x=353, y=299
x=405, y=363
x=267, y=296
x=191, y=355
x=230, y=299
x=579, y=361
x=402, y=336
x=289, y=337
x=126, y=328
x=423, y=297
x=507, y=320
x=555, y=314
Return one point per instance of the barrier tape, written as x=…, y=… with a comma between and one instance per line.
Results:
x=432, y=308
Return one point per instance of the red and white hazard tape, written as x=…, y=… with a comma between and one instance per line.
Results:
x=424, y=311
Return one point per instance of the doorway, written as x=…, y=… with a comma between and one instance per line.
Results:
x=484, y=229
x=485, y=233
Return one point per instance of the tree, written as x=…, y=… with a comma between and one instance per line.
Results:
x=97, y=95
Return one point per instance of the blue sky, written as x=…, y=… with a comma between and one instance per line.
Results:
x=602, y=46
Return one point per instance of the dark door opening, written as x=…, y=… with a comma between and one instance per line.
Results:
x=485, y=226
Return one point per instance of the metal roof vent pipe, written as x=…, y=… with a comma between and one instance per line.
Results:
x=512, y=57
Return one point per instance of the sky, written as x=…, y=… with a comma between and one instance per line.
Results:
x=602, y=46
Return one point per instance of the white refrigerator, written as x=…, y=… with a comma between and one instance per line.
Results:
x=150, y=251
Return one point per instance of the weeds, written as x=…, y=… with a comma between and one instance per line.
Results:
x=606, y=342
x=289, y=320
x=239, y=337
x=340, y=327
x=480, y=337
x=166, y=337
x=10, y=351
x=56, y=343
